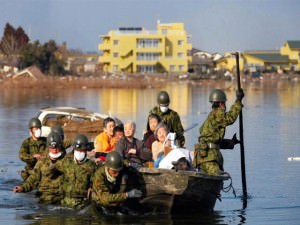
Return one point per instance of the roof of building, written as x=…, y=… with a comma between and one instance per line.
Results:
x=32, y=72
x=294, y=44
x=272, y=56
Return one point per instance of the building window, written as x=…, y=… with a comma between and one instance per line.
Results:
x=180, y=54
x=115, y=68
x=147, y=43
x=180, y=42
x=116, y=42
x=146, y=69
x=180, y=67
x=148, y=56
x=172, y=68
x=116, y=54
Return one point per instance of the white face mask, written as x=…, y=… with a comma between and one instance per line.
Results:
x=79, y=156
x=163, y=108
x=55, y=156
x=37, y=133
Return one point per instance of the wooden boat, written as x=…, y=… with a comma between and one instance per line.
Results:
x=171, y=191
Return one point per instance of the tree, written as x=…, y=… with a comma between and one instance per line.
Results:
x=21, y=38
x=43, y=56
x=13, y=41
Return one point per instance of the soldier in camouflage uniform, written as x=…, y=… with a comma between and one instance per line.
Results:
x=32, y=148
x=78, y=171
x=59, y=130
x=169, y=116
x=207, y=152
x=49, y=180
x=115, y=185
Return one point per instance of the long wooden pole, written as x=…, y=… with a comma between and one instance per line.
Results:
x=243, y=167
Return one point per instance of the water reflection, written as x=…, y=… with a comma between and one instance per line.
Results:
x=66, y=218
x=271, y=122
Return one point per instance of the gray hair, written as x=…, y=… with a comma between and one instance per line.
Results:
x=132, y=123
x=161, y=125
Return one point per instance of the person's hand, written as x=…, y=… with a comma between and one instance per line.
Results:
x=99, y=161
x=134, y=193
x=37, y=156
x=18, y=189
x=240, y=95
x=132, y=151
x=91, y=153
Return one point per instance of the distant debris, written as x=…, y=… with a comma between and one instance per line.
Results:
x=30, y=72
x=293, y=158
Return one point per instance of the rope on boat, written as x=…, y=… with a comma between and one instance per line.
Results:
x=230, y=186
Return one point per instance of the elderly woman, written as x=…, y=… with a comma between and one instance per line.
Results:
x=131, y=149
x=158, y=146
x=149, y=138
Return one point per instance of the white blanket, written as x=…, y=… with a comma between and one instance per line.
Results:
x=174, y=155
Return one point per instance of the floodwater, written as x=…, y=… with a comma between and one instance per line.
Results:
x=271, y=134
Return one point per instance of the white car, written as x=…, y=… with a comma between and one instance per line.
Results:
x=72, y=120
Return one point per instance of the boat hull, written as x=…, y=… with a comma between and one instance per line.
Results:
x=170, y=191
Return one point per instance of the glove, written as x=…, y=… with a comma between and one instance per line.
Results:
x=239, y=95
x=235, y=140
x=134, y=193
x=229, y=143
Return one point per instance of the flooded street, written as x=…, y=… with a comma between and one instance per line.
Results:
x=271, y=135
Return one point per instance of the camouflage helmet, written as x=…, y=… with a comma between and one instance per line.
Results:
x=54, y=140
x=80, y=142
x=217, y=95
x=114, y=161
x=34, y=122
x=59, y=130
x=163, y=98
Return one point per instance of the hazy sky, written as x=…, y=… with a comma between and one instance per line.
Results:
x=214, y=25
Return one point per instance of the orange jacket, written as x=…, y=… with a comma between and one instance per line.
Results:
x=104, y=143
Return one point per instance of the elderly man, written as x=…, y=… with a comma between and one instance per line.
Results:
x=49, y=181
x=133, y=151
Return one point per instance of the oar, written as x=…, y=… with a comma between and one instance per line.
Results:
x=243, y=168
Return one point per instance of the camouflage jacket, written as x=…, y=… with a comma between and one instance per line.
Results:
x=172, y=120
x=213, y=130
x=109, y=194
x=49, y=181
x=77, y=180
x=30, y=147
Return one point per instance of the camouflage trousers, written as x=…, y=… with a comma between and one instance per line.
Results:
x=211, y=168
x=75, y=203
x=211, y=163
x=50, y=199
x=25, y=174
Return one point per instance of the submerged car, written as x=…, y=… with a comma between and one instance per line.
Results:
x=73, y=120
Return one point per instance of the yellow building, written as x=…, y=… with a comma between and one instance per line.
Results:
x=292, y=50
x=135, y=49
x=270, y=60
x=228, y=62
